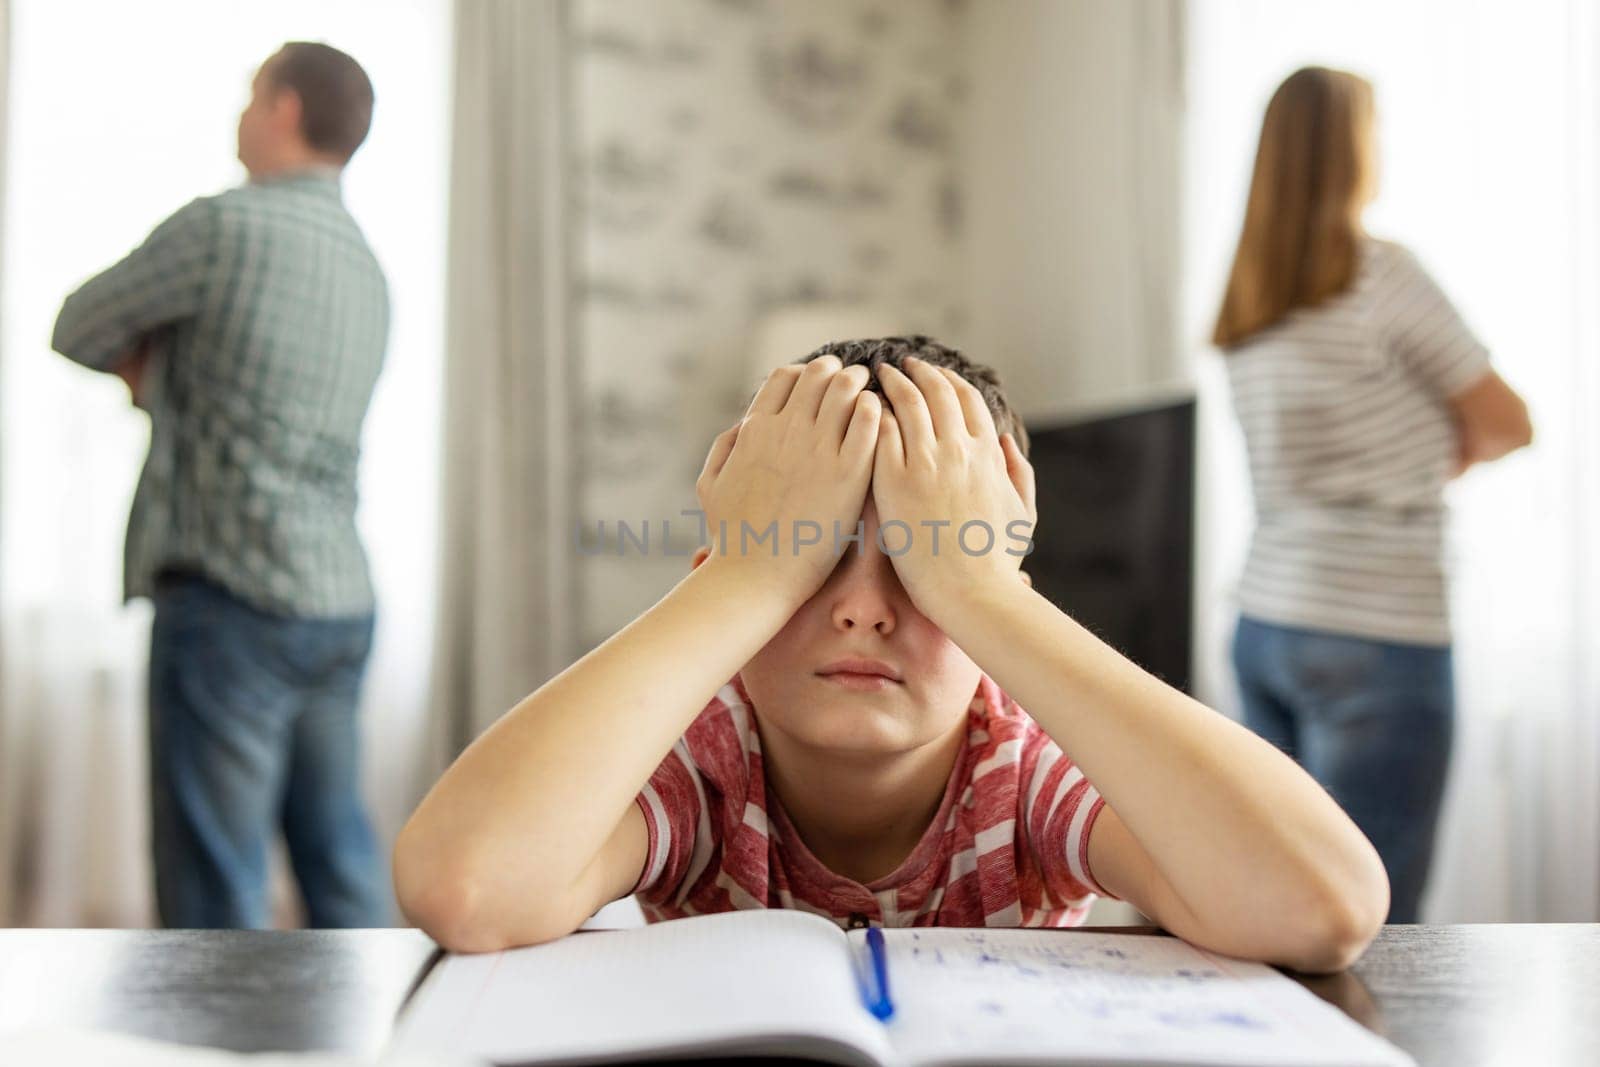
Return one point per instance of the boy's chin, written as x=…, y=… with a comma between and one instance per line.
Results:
x=875, y=722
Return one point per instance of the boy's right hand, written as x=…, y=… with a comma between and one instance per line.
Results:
x=801, y=459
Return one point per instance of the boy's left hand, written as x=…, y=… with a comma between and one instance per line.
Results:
x=940, y=460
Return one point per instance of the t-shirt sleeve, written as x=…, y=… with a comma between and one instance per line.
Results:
x=1059, y=808
x=673, y=803
x=1421, y=328
x=687, y=800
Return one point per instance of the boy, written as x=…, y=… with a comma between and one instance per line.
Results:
x=867, y=761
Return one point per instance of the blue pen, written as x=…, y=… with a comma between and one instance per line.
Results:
x=879, y=1005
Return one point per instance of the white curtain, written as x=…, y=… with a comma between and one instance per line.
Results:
x=506, y=601
x=1489, y=117
x=111, y=130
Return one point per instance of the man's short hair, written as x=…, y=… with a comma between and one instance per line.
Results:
x=335, y=95
x=894, y=350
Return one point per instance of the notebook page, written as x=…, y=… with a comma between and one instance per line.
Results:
x=1107, y=998
x=747, y=979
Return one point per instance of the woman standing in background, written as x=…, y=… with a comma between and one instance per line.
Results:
x=1361, y=393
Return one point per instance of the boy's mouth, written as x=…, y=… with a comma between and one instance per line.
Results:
x=860, y=674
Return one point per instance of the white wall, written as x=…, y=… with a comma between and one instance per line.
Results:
x=1071, y=180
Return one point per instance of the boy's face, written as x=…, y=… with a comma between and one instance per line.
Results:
x=861, y=613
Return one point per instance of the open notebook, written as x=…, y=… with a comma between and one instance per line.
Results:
x=785, y=983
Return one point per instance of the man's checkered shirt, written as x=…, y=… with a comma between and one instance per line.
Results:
x=268, y=317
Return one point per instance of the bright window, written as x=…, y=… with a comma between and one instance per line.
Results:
x=120, y=113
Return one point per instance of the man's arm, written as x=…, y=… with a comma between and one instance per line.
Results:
x=1209, y=830
x=535, y=826
x=161, y=282
x=132, y=370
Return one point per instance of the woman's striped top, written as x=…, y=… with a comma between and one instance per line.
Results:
x=1351, y=440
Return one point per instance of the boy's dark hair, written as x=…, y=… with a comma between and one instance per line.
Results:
x=894, y=350
x=335, y=95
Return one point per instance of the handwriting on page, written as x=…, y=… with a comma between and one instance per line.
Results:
x=1069, y=973
x=1026, y=992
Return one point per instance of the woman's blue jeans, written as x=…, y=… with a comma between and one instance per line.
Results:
x=1369, y=720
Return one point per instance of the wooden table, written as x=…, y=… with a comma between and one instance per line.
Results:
x=1452, y=996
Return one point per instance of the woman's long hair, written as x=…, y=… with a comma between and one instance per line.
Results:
x=1302, y=227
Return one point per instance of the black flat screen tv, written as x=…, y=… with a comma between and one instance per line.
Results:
x=1114, y=546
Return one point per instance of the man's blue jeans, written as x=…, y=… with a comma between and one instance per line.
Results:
x=1371, y=721
x=253, y=729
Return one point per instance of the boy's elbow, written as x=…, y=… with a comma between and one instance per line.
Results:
x=452, y=904
x=1338, y=941
x=442, y=909
x=1338, y=930
x=440, y=896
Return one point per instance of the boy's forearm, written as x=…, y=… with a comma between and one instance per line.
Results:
x=1223, y=815
x=529, y=804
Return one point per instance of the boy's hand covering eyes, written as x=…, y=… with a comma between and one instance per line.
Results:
x=800, y=459
x=940, y=460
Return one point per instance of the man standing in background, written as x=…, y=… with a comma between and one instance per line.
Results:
x=252, y=326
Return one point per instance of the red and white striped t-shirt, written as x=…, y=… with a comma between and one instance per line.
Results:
x=1008, y=847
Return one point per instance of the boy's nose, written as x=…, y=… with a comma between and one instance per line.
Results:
x=863, y=598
